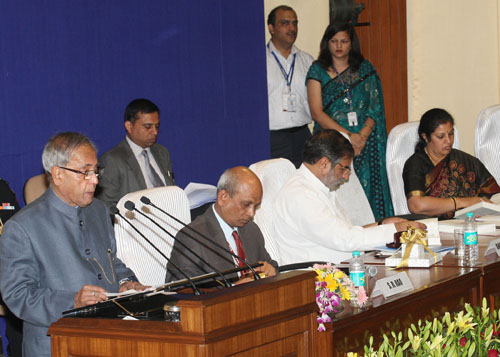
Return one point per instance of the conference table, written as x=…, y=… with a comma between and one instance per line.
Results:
x=446, y=286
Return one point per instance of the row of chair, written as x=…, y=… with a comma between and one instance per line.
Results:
x=149, y=265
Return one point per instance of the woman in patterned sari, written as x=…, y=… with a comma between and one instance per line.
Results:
x=345, y=94
x=439, y=179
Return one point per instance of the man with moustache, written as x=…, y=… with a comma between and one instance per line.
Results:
x=137, y=162
x=309, y=223
x=287, y=67
x=229, y=222
x=59, y=252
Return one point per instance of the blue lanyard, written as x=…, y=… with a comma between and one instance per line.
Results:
x=288, y=76
x=344, y=85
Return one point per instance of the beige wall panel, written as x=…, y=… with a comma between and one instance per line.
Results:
x=453, y=60
x=313, y=19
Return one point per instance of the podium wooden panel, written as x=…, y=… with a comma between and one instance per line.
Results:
x=274, y=316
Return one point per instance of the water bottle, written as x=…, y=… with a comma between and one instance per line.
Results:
x=470, y=238
x=357, y=271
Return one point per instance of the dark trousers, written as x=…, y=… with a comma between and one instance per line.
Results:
x=289, y=143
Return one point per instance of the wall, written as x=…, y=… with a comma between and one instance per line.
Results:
x=453, y=60
x=74, y=66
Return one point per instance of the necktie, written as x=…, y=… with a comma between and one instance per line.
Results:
x=239, y=247
x=150, y=171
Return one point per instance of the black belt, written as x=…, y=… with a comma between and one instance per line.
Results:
x=290, y=130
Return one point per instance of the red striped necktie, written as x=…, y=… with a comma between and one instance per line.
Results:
x=239, y=247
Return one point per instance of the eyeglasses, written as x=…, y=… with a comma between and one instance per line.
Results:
x=87, y=175
x=345, y=168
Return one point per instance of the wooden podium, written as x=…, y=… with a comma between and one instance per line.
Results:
x=274, y=316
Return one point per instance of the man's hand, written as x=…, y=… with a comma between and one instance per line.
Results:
x=89, y=295
x=403, y=226
x=267, y=269
x=132, y=285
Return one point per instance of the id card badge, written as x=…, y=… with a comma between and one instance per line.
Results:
x=352, y=118
x=289, y=102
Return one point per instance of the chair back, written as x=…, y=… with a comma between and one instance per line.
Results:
x=487, y=141
x=400, y=146
x=353, y=200
x=35, y=187
x=148, y=265
x=273, y=174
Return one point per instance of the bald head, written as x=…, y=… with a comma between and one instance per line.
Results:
x=239, y=193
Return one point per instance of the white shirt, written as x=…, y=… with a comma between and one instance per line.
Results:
x=137, y=150
x=311, y=226
x=276, y=86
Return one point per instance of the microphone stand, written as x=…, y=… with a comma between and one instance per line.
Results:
x=147, y=201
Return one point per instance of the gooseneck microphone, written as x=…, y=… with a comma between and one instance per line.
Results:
x=115, y=210
x=147, y=201
x=131, y=207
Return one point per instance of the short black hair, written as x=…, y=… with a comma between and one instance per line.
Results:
x=429, y=122
x=355, y=55
x=327, y=143
x=138, y=106
x=271, y=18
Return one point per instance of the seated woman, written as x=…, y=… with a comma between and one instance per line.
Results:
x=439, y=179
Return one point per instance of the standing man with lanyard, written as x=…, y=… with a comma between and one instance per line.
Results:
x=287, y=67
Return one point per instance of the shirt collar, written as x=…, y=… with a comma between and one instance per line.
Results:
x=272, y=48
x=303, y=170
x=226, y=228
x=136, y=149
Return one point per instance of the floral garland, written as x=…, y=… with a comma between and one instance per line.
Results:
x=332, y=286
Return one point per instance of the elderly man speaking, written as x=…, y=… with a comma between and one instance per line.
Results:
x=58, y=252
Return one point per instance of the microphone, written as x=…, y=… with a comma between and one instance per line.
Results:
x=147, y=201
x=131, y=207
x=115, y=210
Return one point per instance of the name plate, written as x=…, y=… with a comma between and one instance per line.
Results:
x=494, y=246
x=392, y=285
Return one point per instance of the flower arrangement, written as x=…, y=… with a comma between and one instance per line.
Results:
x=332, y=286
x=472, y=332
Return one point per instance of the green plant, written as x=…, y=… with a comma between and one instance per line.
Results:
x=471, y=332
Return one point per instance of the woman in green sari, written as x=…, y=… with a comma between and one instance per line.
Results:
x=345, y=94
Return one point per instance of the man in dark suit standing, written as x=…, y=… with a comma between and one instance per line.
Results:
x=229, y=222
x=137, y=162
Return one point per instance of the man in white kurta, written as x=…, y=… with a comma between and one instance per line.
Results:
x=309, y=223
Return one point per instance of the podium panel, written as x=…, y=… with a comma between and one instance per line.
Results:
x=274, y=316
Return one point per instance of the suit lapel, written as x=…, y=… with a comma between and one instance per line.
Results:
x=133, y=164
x=160, y=159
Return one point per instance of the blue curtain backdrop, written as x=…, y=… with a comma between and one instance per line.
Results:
x=74, y=66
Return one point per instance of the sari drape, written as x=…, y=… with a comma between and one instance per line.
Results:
x=457, y=175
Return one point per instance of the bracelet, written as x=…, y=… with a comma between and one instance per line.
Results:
x=363, y=135
x=455, y=203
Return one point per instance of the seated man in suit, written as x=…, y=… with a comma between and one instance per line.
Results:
x=310, y=225
x=137, y=162
x=229, y=223
x=59, y=252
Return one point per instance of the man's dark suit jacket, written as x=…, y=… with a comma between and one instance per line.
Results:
x=250, y=235
x=122, y=173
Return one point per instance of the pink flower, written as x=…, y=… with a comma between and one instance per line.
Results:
x=362, y=296
x=463, y=341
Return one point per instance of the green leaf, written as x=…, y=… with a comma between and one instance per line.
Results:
x=405, y=346
x=472, y=349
